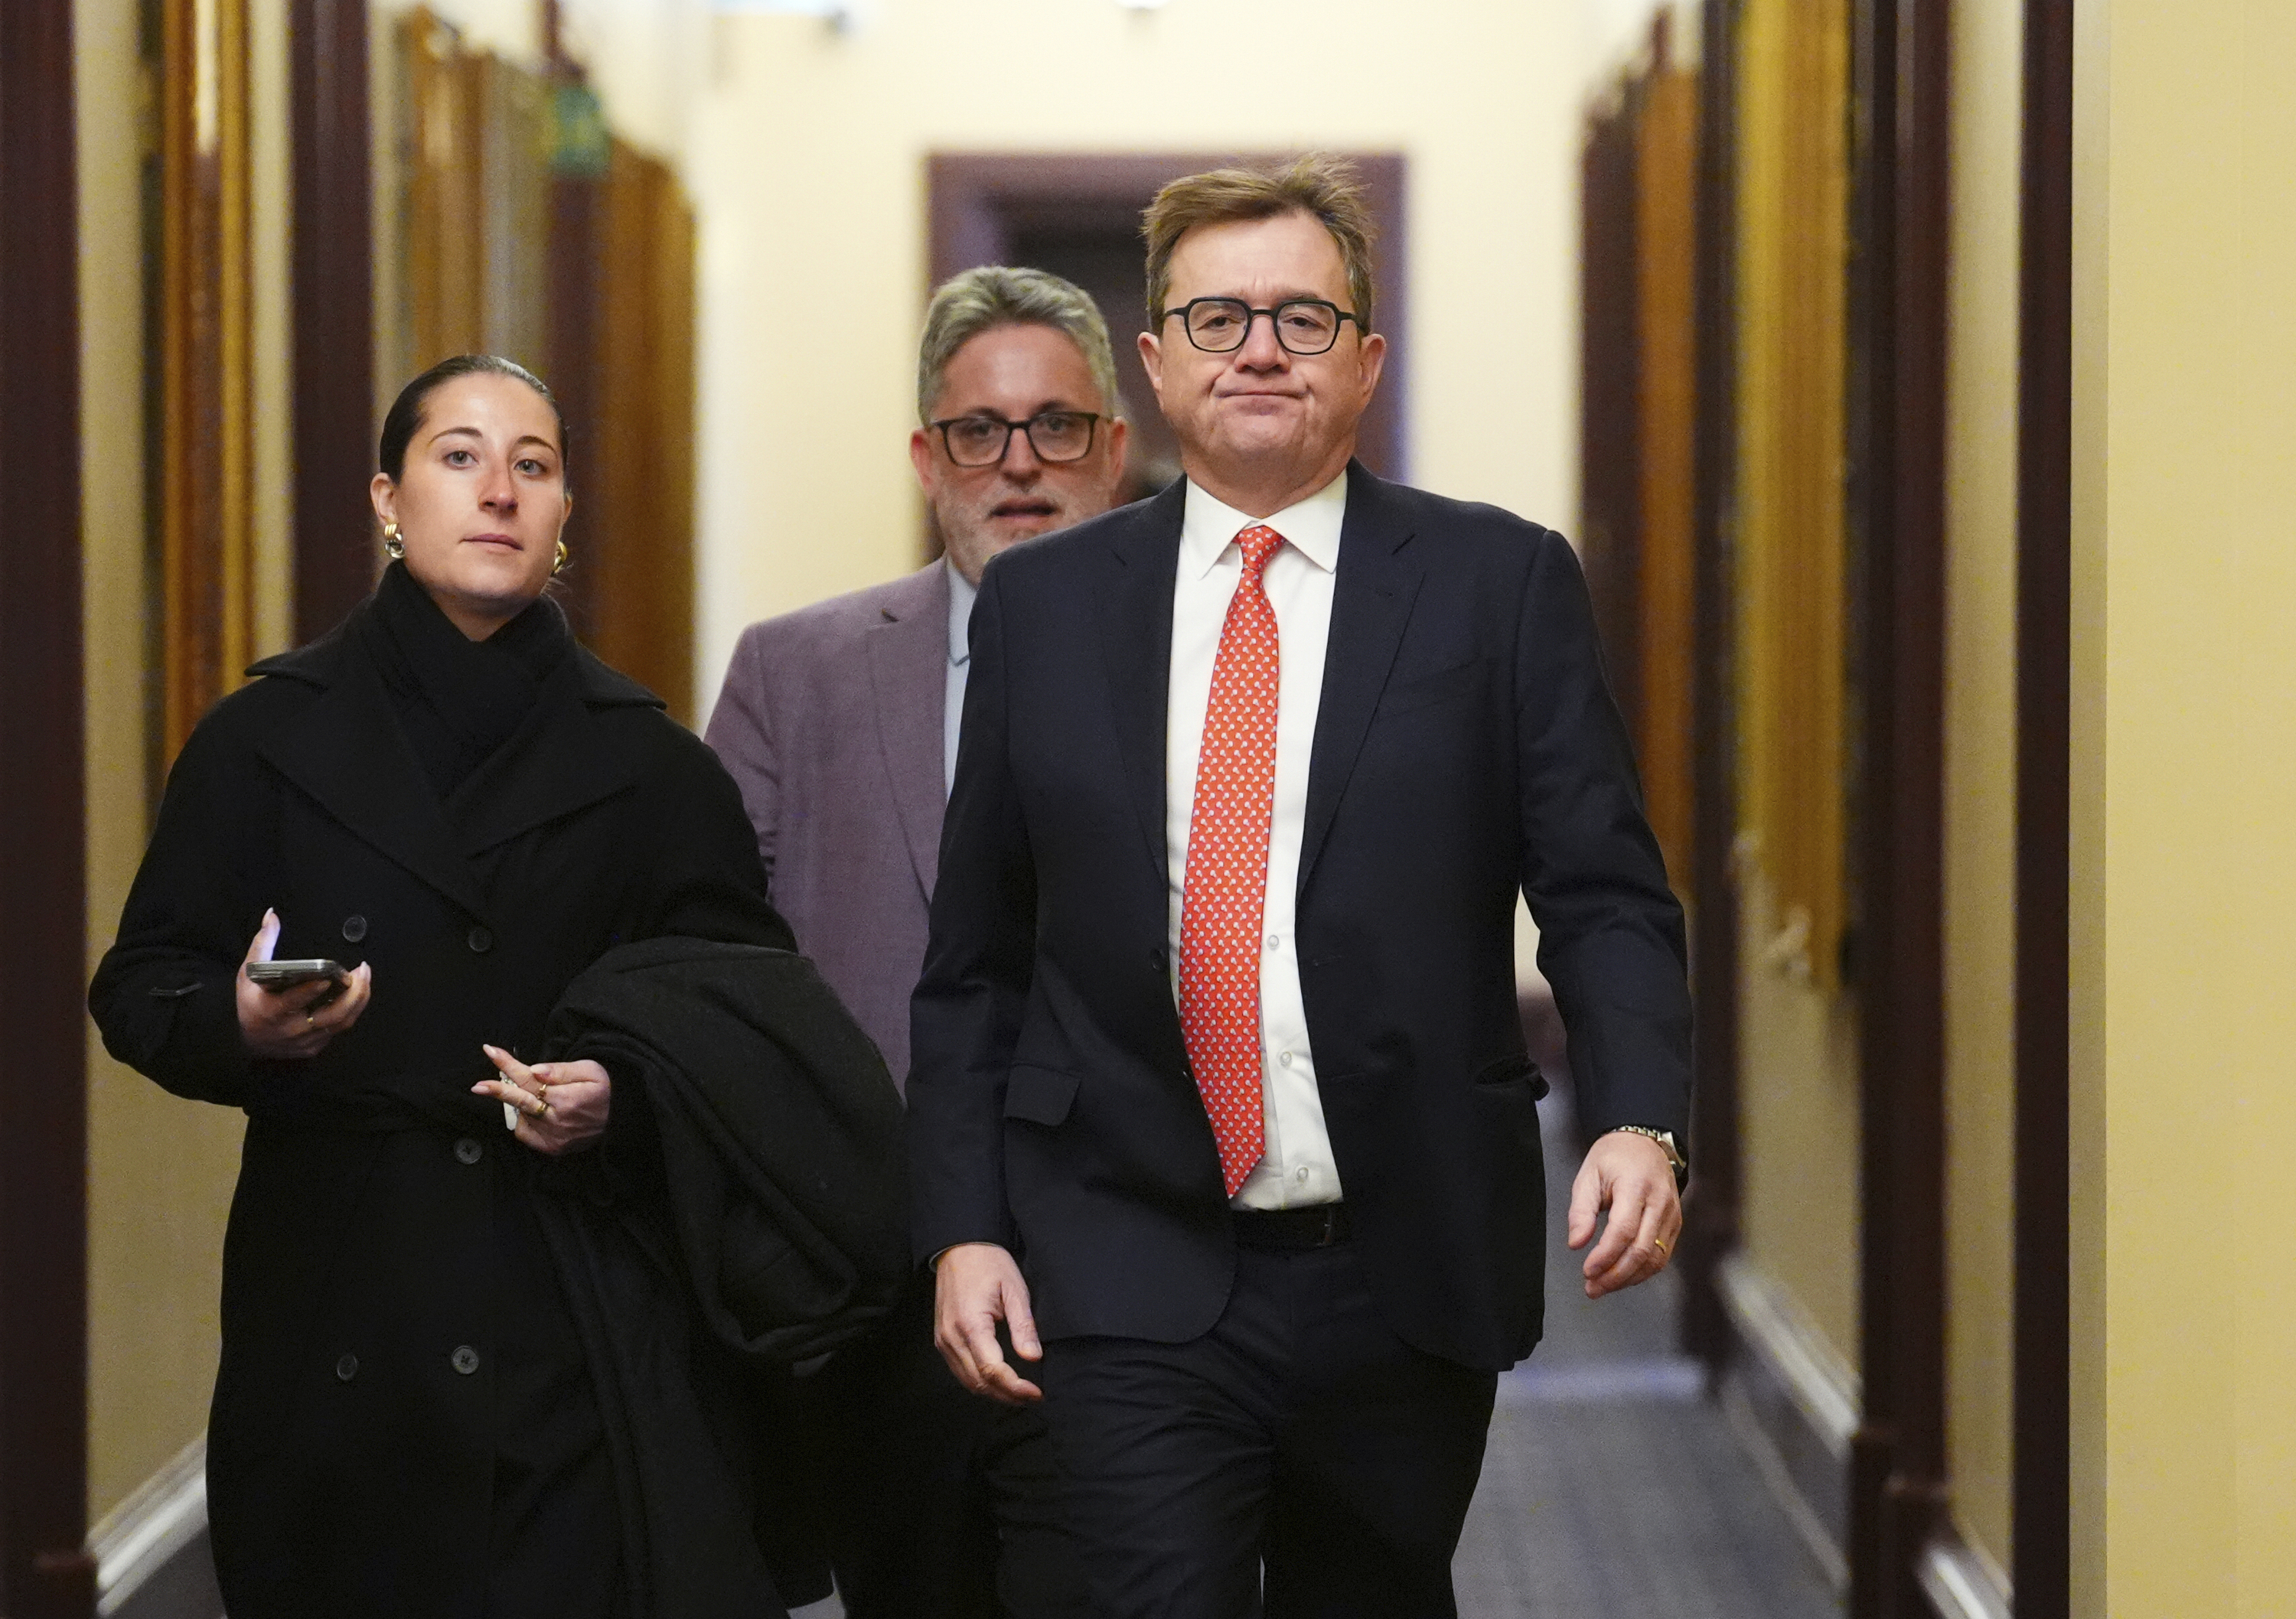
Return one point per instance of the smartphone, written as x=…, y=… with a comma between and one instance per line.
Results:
x=286, y=974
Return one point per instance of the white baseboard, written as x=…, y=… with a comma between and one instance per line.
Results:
x=1961, y=1581
x=141, y=1545
x=1812, y=1371
x=1793, y=1403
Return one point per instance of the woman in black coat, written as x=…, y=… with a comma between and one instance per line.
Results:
x=454, y=800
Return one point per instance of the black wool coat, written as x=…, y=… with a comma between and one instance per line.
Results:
x=394, y=1334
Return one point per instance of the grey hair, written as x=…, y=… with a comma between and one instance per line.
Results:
x=973, y=301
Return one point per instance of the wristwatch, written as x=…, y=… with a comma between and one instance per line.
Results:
x=1665, y=1139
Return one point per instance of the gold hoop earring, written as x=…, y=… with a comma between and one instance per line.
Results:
x=393, y=546
x=559, y=566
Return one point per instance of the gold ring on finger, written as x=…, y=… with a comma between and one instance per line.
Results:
x=1660, y=1243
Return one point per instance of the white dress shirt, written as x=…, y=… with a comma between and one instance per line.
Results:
x=1296, y=1168
x=961, y=594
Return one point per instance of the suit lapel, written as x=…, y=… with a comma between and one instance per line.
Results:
x=348, y=754
x=908, y=677
x=1134, y=601
x=1372, y=596
x=556, y=763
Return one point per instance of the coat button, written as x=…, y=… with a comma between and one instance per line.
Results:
x=346, y=1369
x=469, y=1152
x=354, y=929
x=466, y=1359
x=480, y=941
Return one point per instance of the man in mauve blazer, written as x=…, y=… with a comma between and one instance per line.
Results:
x=1247, y=1158
x=839, y=723
x=829, y=721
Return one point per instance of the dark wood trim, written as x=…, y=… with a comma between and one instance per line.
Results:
x=43, y=1573
x=1711, y=1224
x=2041, y=1486
x=335, y=311
x=976, y=200
x=1899, y=410
x=1611, y=389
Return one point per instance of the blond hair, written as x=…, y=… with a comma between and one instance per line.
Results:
x=1324, y=187
x=977, y=300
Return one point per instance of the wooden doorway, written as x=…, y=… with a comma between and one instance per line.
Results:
x=44, y=1572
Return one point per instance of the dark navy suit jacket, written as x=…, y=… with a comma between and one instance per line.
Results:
x=1465, y=748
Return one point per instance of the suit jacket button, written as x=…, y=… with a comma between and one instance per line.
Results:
x=480, y=941
x=465, y=1359
x=346, y=1369
x=354, y=929
x=469, y=1152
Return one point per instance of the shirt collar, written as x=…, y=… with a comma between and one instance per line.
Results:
x=960, y=592
x=1311, y=526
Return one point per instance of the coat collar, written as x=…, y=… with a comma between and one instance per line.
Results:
x=1372, y=591
x=1134, y=595
x=908, y=677
x=348, y=752
x=1372, y=597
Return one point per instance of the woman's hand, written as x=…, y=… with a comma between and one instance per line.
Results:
x=558, y=1107
x=299, y=1021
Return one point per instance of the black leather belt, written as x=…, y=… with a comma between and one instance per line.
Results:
x=1319, y=1225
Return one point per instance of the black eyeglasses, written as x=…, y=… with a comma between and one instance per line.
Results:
x=981, y=441
x=1303, y=325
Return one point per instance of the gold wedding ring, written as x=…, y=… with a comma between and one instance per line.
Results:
x=1660, y=1241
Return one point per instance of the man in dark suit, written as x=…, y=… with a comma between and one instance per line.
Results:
x=1218, y=1097
x=838, y=723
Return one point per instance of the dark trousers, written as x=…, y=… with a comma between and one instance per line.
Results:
x=935, y=1503
x=1299, y=1454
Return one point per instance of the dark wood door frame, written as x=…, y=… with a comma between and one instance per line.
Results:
x=2042, y=1481
x=44, y=1572
x=1711, y=1229
x=333, y=365
x=1899, y=425
x=977, y=199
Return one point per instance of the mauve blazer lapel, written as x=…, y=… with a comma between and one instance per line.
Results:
x=1372, y=596
x=1134, y=601
x=908, y=678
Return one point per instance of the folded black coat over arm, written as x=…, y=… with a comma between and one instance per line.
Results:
x=755, y=1167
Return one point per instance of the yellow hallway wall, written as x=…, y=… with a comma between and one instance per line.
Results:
x=161, y=1170
x=2186, y=796
x=1980, y=740
x=807, y=161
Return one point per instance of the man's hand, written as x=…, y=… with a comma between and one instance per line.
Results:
x=975, y=1286
x=1628, y=1174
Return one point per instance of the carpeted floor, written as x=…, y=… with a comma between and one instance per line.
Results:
x=1612, y=1483
x=1613, y=1486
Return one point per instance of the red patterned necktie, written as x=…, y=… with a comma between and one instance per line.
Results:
x=1225, y=888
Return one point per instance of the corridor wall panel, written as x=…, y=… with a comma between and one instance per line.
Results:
x=1980, y=745
x=1794, y=198
x=1800, y=1033
x=2184, y=686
